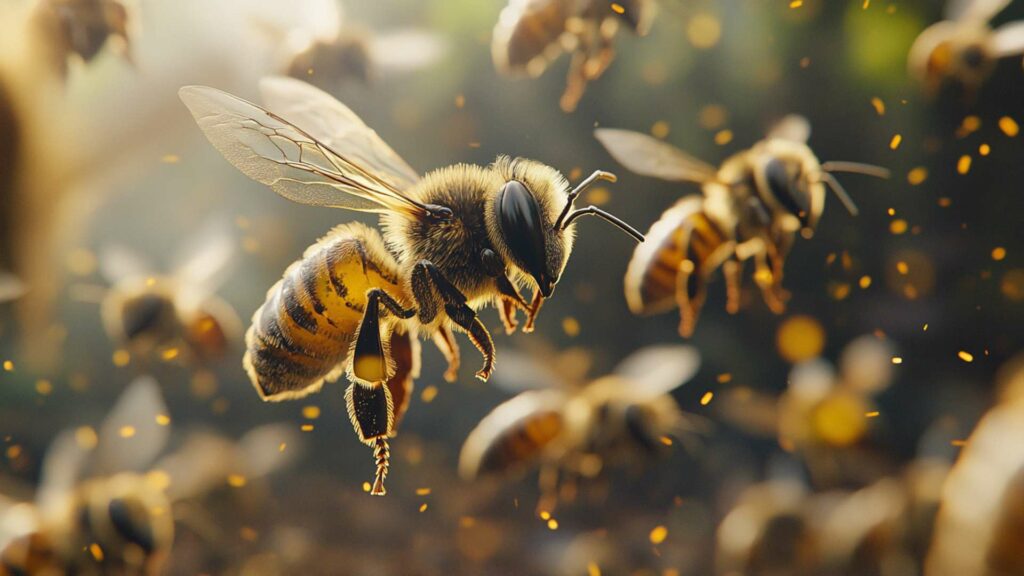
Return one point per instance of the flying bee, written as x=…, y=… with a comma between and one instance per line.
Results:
x=80, y=28
x=530, y=34
x=963, y=48
x=147, y=312
x=573, y=429
x=105, y=507
x=454, y=241
x=752, y=207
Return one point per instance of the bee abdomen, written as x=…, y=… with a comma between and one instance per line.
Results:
x=301, y=334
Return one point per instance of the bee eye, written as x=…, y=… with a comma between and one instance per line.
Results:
x=786, y=189
x=523, y=232
x=129, y=519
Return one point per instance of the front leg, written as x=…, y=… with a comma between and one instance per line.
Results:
x=431, y=290
x=444, y=339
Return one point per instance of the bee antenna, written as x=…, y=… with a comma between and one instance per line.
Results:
x=595, y=211
x=844, y=197
x=597, y=175
x=856, y=168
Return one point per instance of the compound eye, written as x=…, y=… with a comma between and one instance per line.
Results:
x=523, y=231
x=786, y=188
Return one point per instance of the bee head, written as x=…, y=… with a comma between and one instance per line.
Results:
x=796, y=193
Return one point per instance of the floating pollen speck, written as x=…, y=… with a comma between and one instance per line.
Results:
x=1009, y=126
x=658, y=534
x=879, y=106
x=963, y=166
x=965, y=356
x=706, y=398
x=895, y=142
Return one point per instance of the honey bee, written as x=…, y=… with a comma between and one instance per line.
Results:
x=821, y=415
x=454, y=241
x=573, y=429
x=530, y=34
x=80, y=29
x=964, y=48
x=104, y=507
x=147, y=312
x=751, y=207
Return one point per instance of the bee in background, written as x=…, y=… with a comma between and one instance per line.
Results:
x=68, y=29
x=151, y=314
x=104, y=507
x=963, y=49
x=454, y=241
x=317, y=48
x=822, y=416
x=572, y=429
x=752, y=207
x=531, y=34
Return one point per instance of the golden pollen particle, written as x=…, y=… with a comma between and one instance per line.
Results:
x=706, y=398
x=917, y=175
x=895, y=142
x=1009, y=126
x=552, y=524
x=800, y=338
x=879, y=106
x=658, y=534
x=723, y=137
x=965, y=356
x=163, y=419
x=310, y=412
x=127, y=431
x=428, y=394
x=963, y=166
x=998, y=253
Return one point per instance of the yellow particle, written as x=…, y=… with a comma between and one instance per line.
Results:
x=248, y=533
x=704, y=30
x=1012, y=285
x=897, y=360
x=306, y=427
x=965, y=356
x=428, y=394
x=658, y=534
x=366, y=486
x=805, y=62
x=460, y=101
x=925, y=328
x=895, y=142
x=570, y=326
x=712, y=116
x=865, y=282
x=666, y=440
x=8, y=366
x=310, y=412
x=163, y=419
x=891, y=211
x=158, y=479
x=898, y=226
x=282, y=447
x=593, y=569
x=796, y=3
x=169, y=354
x=170, y=159
x=86, y=438
x=706, y=398
x=958, y=443
x=1009, y=126
x=659, y=129
x=800, y=338
x=866, y=5
x=839, y=290
x=724, y=378
x=545, y=515
x=236, y=480
x=917, y=175
x=723, y=137
x=13, y=452
x=945, y=202
x=44, y=387
x=984, y=149
x=150, y=282
x=998, y=253
x=902, y=268
x=879, y=106
x=963, y=166
x=423, y=507
x=121, y=358
x=423, y=491
x=598, y=195
x=126, y=431
x=552, y=524
x=873, y=414
x=96, y=551
x=970, y=125
x=617, y=8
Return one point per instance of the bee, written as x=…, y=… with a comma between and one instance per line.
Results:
x=69, y=29
x=148, y=313
x=752, y=207
x=454, y=241
x=530, y=34
x=105, y=507
x=963, y=48
x=573, y=429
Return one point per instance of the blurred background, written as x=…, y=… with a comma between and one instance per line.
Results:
x=933, y=266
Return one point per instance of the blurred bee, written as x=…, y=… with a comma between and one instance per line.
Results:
x=573, y=429
x=980, y=525
x=318, y=49
x=963, y=48
x=455, y=240
x=531, y=34
x=69, y=29
x=821, y=415
x=103, y=507
x=149, y=313
x=751, y=207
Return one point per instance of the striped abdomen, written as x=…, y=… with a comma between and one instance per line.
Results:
x=302, y=333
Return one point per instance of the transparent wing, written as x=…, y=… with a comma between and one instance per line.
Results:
x=406, y=50
x=866, y=364
x=1008, y=39
x=649, y=156
x=266, y=449
x=11, y=287
x=333, y=124
x=275, y=152
x=520, y=371
x=793, y=127
x=812, y=380
x=118, y=262
x=204, y=262
x=657, y=370
x=61, y=469
x=202, y=463
x=974, y=10
x=135, y=430
x=749, y=410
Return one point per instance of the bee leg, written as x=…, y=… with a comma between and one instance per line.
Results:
x=767, y=283
x=732, y=269
x=428, y=281
x=531, y=314
x=507, y=311
x=547, y=483
x=575, y=82
x=510, y=301
x=777, y=253
x=690, y=291
x=444, y=339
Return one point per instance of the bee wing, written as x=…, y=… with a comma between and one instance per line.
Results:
x=202, y=463
x=16, y=520
x=751, y=411
x=514, y=435
x=62, y=467
x=266, y=449
x=296, y=165
x=793, y=127
x=406, y=50
x=204, y=263
x=649, y=156
x=521, y=371
x=131, y=435
x=657, y=370
x=337, y=127
x=974, y=10
x=118, y=262
x=866, y=364
x=1008, y=39
x=812, y=380
x=11, y=287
